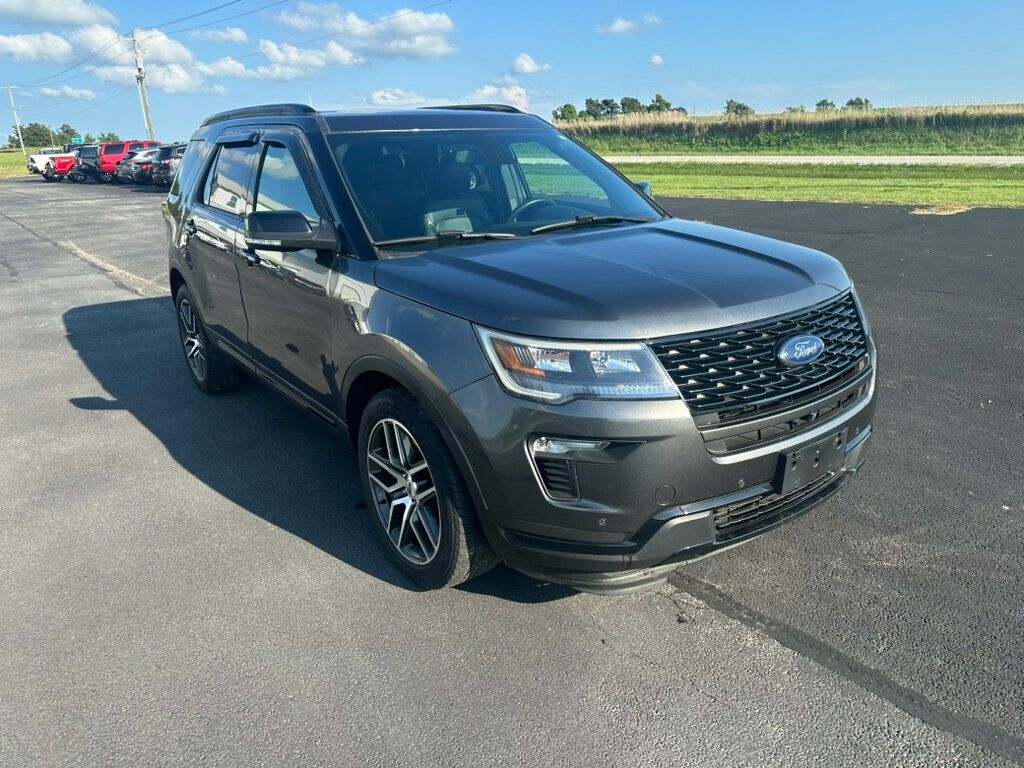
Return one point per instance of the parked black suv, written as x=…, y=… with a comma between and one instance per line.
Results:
x=534, y=362
x=166, y=163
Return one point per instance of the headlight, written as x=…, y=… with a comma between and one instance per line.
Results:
x=557, y=371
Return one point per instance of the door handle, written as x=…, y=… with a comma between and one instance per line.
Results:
x=252, y=259
x=190, y=227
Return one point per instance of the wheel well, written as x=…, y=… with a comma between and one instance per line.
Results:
x=176, y=281
x=363, y=389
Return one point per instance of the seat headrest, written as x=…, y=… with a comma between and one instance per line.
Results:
x=454, y=179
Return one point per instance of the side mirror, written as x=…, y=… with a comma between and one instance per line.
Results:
x=287, y=231
x=645, y=187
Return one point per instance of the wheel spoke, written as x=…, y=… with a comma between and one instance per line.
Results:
x=384, y=486
x=429, y=526
x=387, y=466
x=424, y=494
x=415, y=524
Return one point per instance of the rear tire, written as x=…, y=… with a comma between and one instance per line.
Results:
x=422, y=511
x=209, y=368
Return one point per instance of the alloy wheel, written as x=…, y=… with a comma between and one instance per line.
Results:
x=403, y=491
x=192, y=339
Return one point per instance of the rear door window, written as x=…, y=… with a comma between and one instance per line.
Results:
x=113, y=149
x=228, y=180
x=137, y=145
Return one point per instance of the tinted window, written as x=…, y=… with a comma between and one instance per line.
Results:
x=163, y=153
x=226, y=187
x=195, y=154
x=136, y=145
x=114, y=149
x=88, y=151
x=281, y=187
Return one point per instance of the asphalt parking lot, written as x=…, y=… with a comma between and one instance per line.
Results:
x=187, y=580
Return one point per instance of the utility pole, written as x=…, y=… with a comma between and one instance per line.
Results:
x=140, y=78
x=17, y=122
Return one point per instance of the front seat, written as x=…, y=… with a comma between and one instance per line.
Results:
x=459, y=207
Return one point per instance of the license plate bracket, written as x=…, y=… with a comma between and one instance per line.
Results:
x=812, y=462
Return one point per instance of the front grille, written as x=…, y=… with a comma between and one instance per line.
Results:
x=745, y=517
x=734, y=374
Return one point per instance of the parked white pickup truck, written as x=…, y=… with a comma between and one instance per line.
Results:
x=37, y=161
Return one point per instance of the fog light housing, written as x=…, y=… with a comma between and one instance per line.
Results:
x=560, y=446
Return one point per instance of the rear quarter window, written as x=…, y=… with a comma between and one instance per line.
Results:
x=113, y=149
x=192, y=160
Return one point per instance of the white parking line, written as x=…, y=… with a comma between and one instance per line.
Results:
x=141, y=285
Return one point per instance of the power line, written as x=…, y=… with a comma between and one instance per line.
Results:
x=127, y=85
x=118, y=37
x=346, y=31
x=125, y=52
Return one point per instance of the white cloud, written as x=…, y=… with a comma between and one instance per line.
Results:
x=621, y=26
x=291, y=55
x=395, y=97
x=44, y=46
x=226, y=67
x=69, y=92
x=339, y=54
x=411, y=35
x=524, y=64
x=506, y=90
x=72, y=13
x=656, y=59
x=226, y=35
x=618, y=27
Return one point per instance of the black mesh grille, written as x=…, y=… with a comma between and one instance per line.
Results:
x=735, y=373
x=746, y=517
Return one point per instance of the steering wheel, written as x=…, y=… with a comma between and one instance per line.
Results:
x=531, y=205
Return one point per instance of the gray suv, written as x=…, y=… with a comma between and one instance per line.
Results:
x=534, y=362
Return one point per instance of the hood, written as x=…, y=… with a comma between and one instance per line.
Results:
x=632, y=282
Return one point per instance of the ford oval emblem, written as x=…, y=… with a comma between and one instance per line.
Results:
x=800, y=350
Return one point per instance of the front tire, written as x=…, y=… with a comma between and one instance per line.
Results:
x=418, y=501
x=209, y=368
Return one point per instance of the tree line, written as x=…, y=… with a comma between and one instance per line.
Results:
x=39, y=135
x=596, y=109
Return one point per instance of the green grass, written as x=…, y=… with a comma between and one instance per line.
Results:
x=12, y=164
x=925, y=185
x=1001, y=140
x=996, y=129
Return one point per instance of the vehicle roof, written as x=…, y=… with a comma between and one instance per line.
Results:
x=429, y=118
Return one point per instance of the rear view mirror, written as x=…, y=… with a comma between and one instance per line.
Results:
x=644, y=186
x=287, y=231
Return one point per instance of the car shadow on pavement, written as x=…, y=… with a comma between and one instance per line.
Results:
x=252, y=447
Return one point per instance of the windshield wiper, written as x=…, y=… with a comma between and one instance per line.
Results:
x=587, y=221
x=448, y=235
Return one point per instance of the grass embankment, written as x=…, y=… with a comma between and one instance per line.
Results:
x=12, y=164
x=996, y=129
x=925, y=185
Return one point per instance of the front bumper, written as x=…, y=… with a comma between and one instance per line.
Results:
x=646, y=502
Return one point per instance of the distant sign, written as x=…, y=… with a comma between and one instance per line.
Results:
x=78, y=140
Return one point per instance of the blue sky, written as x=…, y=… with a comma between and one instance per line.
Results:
x=537, y=55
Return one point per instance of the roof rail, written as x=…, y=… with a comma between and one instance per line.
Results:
x=481, y=108
x=260, y=110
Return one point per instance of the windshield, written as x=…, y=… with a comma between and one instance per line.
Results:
x=414, y=184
